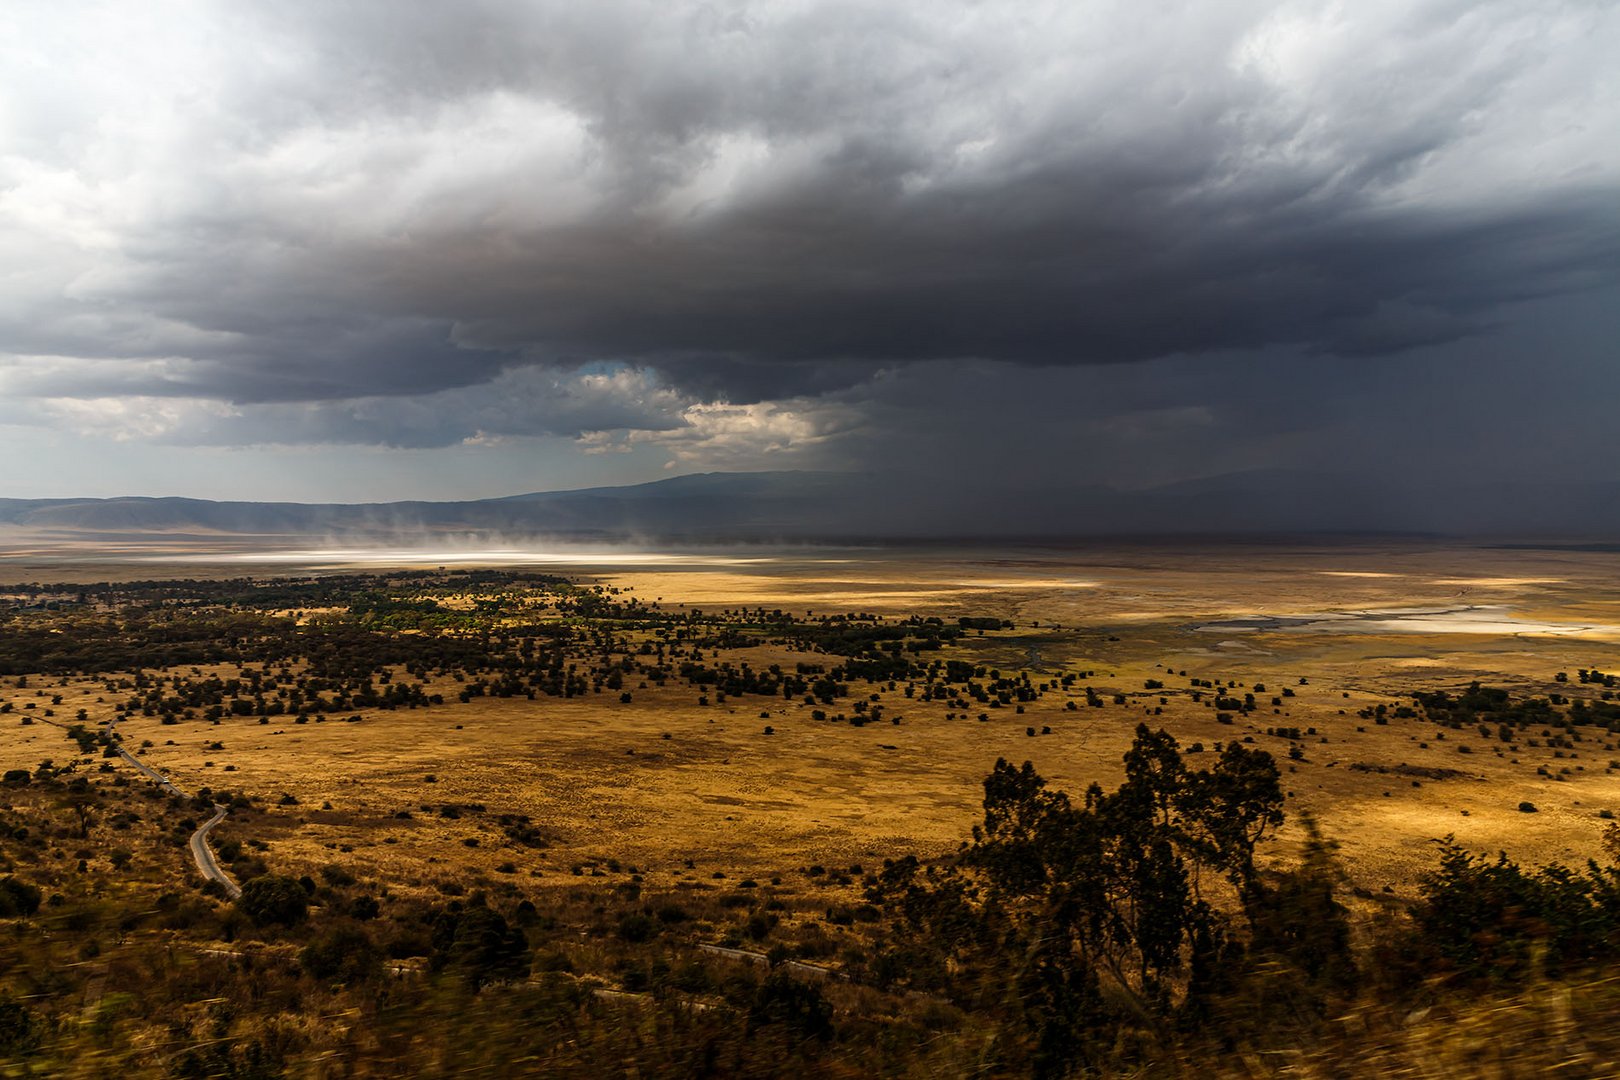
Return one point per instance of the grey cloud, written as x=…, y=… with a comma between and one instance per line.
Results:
x=525, y=402
x=319, y=203
x=1530, y=404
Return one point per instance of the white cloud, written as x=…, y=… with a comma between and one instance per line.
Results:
x=122, y=419
x=762, y=435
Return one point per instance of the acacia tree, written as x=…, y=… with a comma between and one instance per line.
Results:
x=82, y=800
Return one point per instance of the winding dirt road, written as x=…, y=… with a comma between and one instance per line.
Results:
x=145, y=770
x=201, y=853
x=204, y=855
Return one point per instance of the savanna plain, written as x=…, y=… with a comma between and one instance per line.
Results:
x=1302, y=808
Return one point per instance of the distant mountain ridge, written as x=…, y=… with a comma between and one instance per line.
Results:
x=789, y=505
x=693, y=504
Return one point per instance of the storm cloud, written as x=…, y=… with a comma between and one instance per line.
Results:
x=418, y=223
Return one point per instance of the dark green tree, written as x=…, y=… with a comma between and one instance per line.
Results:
x=1074, y=919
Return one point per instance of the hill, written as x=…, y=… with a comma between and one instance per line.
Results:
x=763, y=506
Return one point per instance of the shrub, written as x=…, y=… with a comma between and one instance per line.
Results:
x=479, y=945
x=17, y=897
x=337, y=876
x=19, y=1032
x=273, y=900
x=796, y=1005
x=553, y=961
x=342, y=953
x=1489, y=918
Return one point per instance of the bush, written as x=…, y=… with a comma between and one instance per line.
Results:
x=17, y=897
x=343, y=953
x=274, y=899
x=800, y=1007
x=556, y=961
x=19, y=1032
x=1489, y=919
x=337, y=876
x=480, y=946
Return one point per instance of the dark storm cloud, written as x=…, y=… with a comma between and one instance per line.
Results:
x=1531, y=404
x=319, y=202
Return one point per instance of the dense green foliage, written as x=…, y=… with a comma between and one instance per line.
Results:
x=274, y=900
x=1492, y=919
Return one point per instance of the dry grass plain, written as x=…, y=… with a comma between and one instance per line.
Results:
x=664, y=780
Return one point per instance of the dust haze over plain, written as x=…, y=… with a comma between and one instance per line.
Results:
x=1019, y=246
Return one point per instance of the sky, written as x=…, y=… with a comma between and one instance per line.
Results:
x=395, y=250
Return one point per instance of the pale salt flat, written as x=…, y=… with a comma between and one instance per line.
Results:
x=1475, y=619
x=340, y=557
x=1358, y=573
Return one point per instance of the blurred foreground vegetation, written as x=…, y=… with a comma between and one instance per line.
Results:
x=1127, y=932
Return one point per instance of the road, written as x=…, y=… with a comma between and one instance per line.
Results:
x=146, y=770
x=759, y=959
x=204, y=854
x=201, y=853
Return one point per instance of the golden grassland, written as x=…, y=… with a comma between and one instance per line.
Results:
x=726, y=805
x=664, y=779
